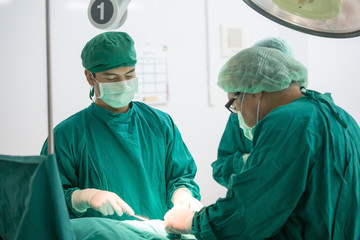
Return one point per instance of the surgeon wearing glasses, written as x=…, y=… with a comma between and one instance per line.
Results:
x=235, y=144
x=301, y=178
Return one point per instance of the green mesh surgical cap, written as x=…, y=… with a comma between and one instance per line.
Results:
x=267, y=66
x=107, y=51
x=276, y=43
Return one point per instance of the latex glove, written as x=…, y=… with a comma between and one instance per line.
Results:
x=182, y=197
x=105, y=202
x=179, y=220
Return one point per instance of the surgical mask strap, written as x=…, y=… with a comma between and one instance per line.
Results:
x=258, y=108
x=94, y=79
x=257, y=113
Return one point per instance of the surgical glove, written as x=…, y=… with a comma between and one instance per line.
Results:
x=103, y=201
x=182, y=197
x=179, y=220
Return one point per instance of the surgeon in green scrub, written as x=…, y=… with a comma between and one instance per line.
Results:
x=301, y=179
x=117, y=155
x=234, y=147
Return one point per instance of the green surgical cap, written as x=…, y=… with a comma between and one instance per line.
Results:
x=276, y=43
x=107, y=51
x=263, y=67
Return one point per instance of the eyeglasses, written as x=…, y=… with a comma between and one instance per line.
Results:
x=229, y=106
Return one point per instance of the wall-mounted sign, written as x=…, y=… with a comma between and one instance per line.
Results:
x=152, y=72
x=107, y=14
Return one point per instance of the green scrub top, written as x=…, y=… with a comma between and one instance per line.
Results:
x=232, y=147
x=301, y=180
x=138, y=155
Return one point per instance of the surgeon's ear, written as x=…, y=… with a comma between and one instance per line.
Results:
x=89, y=77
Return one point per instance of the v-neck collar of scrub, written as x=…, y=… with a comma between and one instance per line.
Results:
x=110, y=117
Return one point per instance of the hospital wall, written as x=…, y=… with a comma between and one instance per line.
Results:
x=185, y=27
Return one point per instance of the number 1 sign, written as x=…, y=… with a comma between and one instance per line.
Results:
x=107, y=14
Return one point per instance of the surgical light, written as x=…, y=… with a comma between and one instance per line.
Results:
x=325, y=18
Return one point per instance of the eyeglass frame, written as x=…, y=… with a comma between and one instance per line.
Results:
x=229, y=106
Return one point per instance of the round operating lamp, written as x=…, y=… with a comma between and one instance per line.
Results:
x=325, y=18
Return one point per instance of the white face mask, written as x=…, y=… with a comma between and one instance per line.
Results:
x=248, y=131
x=118, y=94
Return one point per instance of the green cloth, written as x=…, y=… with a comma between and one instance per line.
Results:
x=31, y=199
x=104, y=229
x=108, y=50
x=301, y=180
x=232, y=146
x=138, y=155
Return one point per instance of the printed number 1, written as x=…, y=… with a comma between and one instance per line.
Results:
x=101, y=7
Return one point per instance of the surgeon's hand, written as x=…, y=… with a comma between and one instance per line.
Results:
x=182, y=197
x=179, y=220
x=105, y=202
